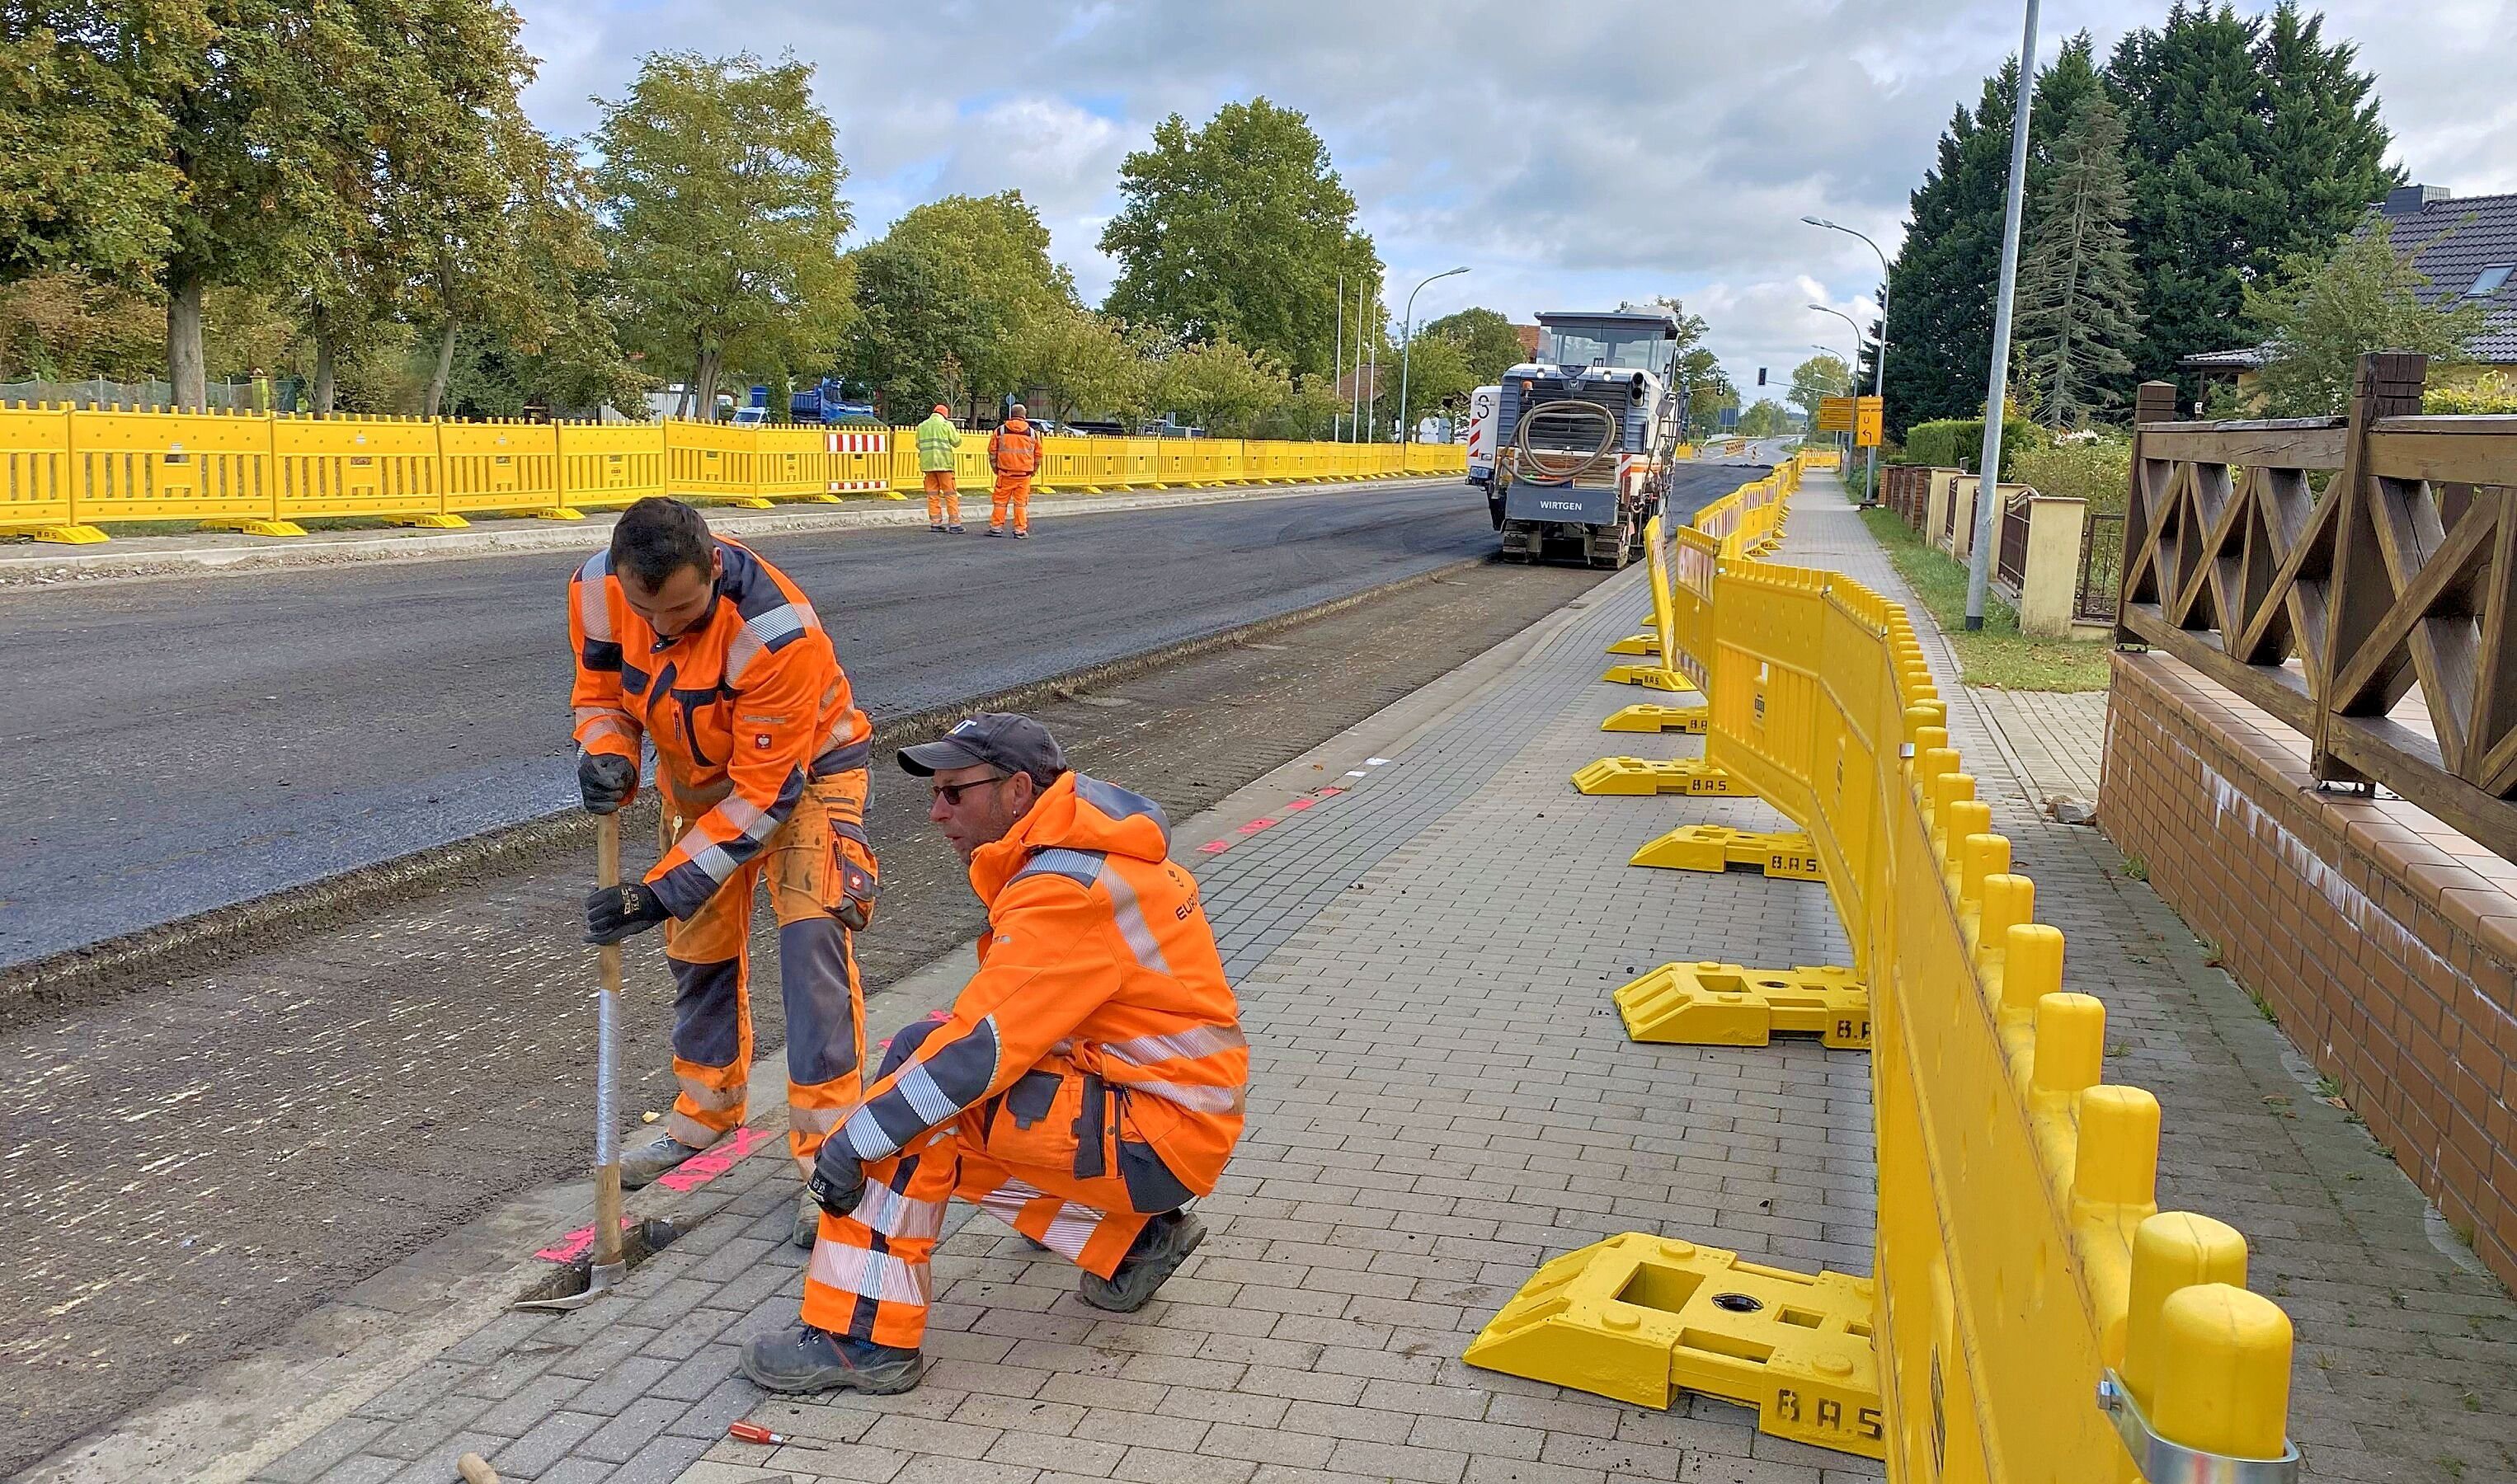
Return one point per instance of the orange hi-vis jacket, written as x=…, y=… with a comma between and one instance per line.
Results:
x=1014, y=448
x=1100, y=974
x=743, y=708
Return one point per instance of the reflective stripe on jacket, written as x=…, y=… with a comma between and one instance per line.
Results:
x=1099, y=968
x=743, y=708
x=1014, y=448
x=939, y=445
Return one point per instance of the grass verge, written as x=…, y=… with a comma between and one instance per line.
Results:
x=1996, y=656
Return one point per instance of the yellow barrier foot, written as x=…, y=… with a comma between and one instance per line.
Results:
x=257, y=528
x=745, y=502
x=68, y=536
x=814, y=497
x=433, y=522
x=1721, y=1005
x=1690, y=776
x=1640, y=1318
x=1637, y=644
x=559, y=513
x=1649, y=716
x=1649, y=676
x=1784, y=853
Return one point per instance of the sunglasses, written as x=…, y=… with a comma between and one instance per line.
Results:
x=951, y=793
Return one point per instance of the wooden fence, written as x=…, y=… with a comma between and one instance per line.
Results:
x=2325, y=568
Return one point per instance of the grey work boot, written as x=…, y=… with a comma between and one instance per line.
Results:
x=801, y=1358
x=808, y=1221
x=1156, y=1254
x=640, y=1166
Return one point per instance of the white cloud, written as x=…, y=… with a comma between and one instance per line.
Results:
x=1571, y=157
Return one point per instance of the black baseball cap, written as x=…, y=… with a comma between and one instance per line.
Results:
x=1005, y=741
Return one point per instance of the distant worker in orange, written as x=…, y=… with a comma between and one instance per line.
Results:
x=691, y=642
x=939, y=449
x=1087, y=1084
x=1014, y=453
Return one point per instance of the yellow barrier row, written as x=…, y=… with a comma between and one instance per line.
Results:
x=63, y=471
x=2033, y=1314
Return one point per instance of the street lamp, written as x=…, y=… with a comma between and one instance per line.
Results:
x=1879, y=368
x=1988, y=470
x=1407, y=344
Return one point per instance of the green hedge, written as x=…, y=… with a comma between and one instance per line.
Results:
x=1957, y=443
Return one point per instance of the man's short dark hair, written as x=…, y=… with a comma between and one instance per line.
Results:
x=658, y=537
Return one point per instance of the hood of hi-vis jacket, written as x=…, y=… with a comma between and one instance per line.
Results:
x=743, y=708
x=1098, y=953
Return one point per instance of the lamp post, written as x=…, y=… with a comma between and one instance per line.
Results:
x=1989, y=473
x=1879, y=368
x=1850, y=364
x=1407, y=344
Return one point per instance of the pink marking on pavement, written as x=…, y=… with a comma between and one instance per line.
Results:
x=1301, y=803
x=699, y=1170
x=1328, y=794
x=574, y=1246
x=1255, y=826
x=1213, y=847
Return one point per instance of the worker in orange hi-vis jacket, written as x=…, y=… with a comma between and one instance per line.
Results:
x=1087, y=1085
x=691, y=642
x=1014, y=453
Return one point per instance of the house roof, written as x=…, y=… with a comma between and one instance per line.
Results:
x=2451, y=241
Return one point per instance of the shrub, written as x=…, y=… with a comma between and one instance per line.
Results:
x=1957, y=443
x=2091, y=469
x=2496, y=392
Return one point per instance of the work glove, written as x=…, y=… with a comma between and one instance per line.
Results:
x=606, y=779
x=837, y=1180
x=615, y=912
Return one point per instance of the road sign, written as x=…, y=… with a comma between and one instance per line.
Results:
x=1868, y=414
x=1835, y=414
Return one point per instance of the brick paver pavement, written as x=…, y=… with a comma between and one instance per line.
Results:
x=2055, y=741
x=1442, y=1098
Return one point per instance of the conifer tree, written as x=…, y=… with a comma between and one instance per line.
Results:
x=2076, y=310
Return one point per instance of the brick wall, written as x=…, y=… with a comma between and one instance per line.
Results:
x=2382, y=940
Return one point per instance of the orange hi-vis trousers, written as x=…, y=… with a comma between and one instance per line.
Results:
x=806, y=872
x=871, y=1276
x=943, y=498
x=1013, y=494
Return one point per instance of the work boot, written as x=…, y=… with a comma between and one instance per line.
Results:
x=955, y=528
x=994, y=532
x=1156, y=1254
x=1022, y=535
x=938, y=529
x=801, y=1358
x=808, y=1220
x=641, y=1166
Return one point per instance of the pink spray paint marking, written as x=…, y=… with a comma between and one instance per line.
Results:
x=572, y=1246
x=699, y=1170
x=1255, y=826
x=1214, y=847
x=1300, y=804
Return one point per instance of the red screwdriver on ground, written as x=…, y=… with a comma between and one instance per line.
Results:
x=753, y=1432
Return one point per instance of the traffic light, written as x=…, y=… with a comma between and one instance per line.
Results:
x=1761, y=376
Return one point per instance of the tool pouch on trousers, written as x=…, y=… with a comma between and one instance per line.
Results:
x=853, y=884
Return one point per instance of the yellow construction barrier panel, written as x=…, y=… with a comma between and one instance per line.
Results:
x=1640, y=1318
x=2037, y=1317
x=1643, y=776
x=1788, y=854
x=1649, y=716
x=713, y=462
x=500, y=466
x=608, y=465
x=39, y=493
x=1723, y=1004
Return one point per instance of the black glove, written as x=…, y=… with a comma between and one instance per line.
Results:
x=605, y=779
x=615, y=912
x=837, y=1180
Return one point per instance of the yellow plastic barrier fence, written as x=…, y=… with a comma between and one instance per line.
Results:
x=64, y=470
x=2033, y=1314
x=500, y=466
x=1821, y=459
x=35, y=483
x=608, y=465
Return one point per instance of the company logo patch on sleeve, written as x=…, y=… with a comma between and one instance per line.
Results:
x=760, y=740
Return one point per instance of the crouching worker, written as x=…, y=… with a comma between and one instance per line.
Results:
x=1086, y=1087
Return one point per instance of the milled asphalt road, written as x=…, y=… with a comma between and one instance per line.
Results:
x=180, y=746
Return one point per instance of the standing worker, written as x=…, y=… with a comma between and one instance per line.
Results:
x=1087, y=1084
x=939, y=448
x=1014, y=453
x=691, y=642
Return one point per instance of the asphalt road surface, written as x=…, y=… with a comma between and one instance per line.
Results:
x=179, y=745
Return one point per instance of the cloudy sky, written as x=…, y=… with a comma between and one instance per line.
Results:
x=1570, y=156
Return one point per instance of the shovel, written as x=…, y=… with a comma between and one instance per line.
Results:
x=610, y=1263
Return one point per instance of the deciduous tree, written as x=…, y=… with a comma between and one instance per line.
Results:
x=1486, y=338
x=1220, y=385
x=1814, y=380
x=2319, y=316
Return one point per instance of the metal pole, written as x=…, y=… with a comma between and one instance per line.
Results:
x=1354, y=397
x=1879, y=368
x=1371, y=413
x=607, y=1072
x=1987, y=493
x=1337, y=361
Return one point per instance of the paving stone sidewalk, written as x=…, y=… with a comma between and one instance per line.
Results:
x=1443, y=1098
